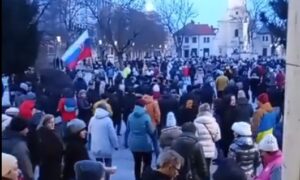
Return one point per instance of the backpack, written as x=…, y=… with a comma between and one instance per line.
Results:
x=70, y=105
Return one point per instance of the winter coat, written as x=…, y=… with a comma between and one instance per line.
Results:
x=150, y=174
x=244, y=151
x=139, y=131
x=129, y=102
x=5, y=121
x=244, y=110
x=280, y=80
x=208, y=132
x=278, y=133
x=80, y=84
x=84, y=109
x=116, y=104
x=75, y=151
x=153, y=109
x=189, y=147
x=167, y=103
x=168, y=135
x=258, y=115
x=93, y=96
x=103, y=137
x=187, y=113
x=207, y=94
x=15, y=144
x=272, y=167
x=50, y=154
x=32, y=138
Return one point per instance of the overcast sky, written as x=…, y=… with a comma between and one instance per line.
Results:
x=210, y=11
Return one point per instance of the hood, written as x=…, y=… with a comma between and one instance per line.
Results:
x=101, y=113
x=242, y=101
x=148, y=99
x=267, y=107
x=138, y=111
x=205, y=119
x=244, y=141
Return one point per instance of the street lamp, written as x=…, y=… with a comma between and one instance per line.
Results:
x=100, y=42
x=133, y=44
x=116, y=43
x=58, y=39
x=160, y=46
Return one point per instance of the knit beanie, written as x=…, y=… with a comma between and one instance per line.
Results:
x=204, y=108
x=75, y=126
x=18, y=124
x=87, y=169
x=242, y=128
x=268, y=143
x=263, y=98
x=8, y=164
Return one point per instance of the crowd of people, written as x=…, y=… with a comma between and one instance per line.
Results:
x=184, y=115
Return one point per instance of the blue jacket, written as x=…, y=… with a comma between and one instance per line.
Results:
x=139, y=135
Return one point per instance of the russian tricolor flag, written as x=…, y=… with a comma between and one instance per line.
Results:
x=78, y=51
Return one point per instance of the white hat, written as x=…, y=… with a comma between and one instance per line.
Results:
x=12, y=111
x=171, y=120
x=8, y=163
x=268, y=143
x=242, y=128
x=156, y=88
x=24, y=86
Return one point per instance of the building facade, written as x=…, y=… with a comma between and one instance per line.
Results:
x=197, y=40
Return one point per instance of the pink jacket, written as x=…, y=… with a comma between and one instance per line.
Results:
x=272, y=162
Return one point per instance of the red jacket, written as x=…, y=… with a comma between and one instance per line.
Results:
x=66, y=116
x=26, y=109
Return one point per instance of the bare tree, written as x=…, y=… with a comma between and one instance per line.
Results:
x=175, y=15
x=123, y=26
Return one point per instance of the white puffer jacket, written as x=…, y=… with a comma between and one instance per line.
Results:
x=208, y=131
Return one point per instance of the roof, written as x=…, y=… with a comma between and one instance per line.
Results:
x=193, y=29
x=263, y=30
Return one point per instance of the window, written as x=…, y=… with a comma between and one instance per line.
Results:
x=194, y=52
x=236, y=13
x=186, y=53
x=179, y=39
x=265, y=38
x=206, y=39
x=194, y=40
x=186, y=39
x=236, y=33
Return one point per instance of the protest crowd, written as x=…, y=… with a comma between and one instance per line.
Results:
x=183, y=115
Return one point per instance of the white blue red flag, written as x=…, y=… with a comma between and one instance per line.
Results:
x=78, y=51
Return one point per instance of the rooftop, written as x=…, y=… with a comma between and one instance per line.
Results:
x=193, y=29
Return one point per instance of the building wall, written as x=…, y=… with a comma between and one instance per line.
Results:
x=199, y=46
x=261, y=42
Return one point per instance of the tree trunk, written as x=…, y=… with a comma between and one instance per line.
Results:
x=120, y=60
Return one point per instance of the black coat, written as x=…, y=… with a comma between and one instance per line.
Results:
x=207, y=94
x=128, y=105
x=167, y=103
x=75, y=151
x=186, y=115
x=116, y=104
x=85, y=109
x=50, y=152
x=189, y=147
x=93, y=95
x=244, y=110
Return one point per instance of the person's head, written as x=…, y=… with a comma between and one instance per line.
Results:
x=82, y=93
x=47, y=122
x=87, y=169
x=171, y=120
x=241, y=94
x=189, y=127
x=241, y=129
x=263, y=98
x=140, y=102
x=228, y=169
x=232, y=100
x=268, y=146
x=170, y=163
x=10, y=170
x=77, y=127
x=204, y=108
x=19, y=125
x=24, y=87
